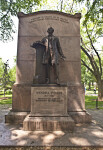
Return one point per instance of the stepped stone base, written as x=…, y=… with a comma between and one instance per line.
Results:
x=81, y=117
x=48, y=123
x=15, y=117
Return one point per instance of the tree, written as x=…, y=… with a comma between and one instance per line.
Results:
x=10, y=8
x=1, y=72
x=94, y=64
x=92, y=30
x=5, y=80
x=1, y=69
x=12, y=74
x=87, y=78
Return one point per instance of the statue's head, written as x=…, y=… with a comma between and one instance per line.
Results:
x=50, y=31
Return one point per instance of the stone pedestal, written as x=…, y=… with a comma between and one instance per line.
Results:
x=33, y=27
x=48, y=100
x=81, y=117
x=15, y=117
x=48, y=109
x=48, y=123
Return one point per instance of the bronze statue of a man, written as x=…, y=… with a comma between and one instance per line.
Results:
x=51, y=54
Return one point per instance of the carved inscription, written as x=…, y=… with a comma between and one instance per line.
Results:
x=48, y=18
x=49, y=100
x=48, y=96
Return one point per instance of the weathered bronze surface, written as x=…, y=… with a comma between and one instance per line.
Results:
x=47, y=54
x=39, y=77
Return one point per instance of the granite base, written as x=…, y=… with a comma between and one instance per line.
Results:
x=48, y=123
x=15, y=117
x=81, y=117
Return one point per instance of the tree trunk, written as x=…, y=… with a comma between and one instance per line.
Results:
x=4, y=92
x=89, y=85
x=100, y=90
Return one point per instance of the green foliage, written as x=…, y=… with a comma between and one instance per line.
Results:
x=1, y=68
x=9, y=8
x=86, y=75
x=91, y=31
x=90, y=101
x=5, y=100
x=94, y=11
x=12, y=75
x=7, y=75
x=5, y=82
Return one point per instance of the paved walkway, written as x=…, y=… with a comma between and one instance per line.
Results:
x=83, y=135
x=97, y=116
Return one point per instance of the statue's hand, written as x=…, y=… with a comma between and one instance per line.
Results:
x=63, y=57
x=34, y=45
x=31, y=45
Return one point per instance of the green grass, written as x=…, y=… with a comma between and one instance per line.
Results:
x=7, y=99
x=90, y=102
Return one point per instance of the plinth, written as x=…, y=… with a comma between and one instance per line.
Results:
x=48, y=109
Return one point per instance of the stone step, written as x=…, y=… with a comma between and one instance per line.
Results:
x=48, y=123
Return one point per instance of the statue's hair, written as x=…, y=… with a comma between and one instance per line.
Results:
x=50, y=29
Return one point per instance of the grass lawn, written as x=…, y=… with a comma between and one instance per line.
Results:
x=90, y=102
x=7, y=99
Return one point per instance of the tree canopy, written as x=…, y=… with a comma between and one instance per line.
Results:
x=10, y=8
x=7, y=75
x=91, y=31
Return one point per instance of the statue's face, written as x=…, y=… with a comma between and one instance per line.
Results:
x=50, y=31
